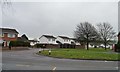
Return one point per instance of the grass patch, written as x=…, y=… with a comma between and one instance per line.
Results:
x=93, y=54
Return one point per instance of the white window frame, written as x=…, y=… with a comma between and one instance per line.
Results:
x=11, y=35
x=1, y=35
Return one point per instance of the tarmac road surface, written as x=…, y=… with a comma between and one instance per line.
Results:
x=29, y=60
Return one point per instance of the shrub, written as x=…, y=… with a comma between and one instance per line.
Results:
x=19, y=43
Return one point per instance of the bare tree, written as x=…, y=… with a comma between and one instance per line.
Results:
x=86, y=32
x=106, y=32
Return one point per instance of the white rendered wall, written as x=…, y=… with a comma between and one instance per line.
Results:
x=43, y=40
x=62, y=40
x=46, y=40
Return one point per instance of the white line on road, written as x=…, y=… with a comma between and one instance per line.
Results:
x=22, y=65
x=54, y=68
x=106, y=61
x=117, y=67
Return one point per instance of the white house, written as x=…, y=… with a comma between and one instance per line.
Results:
x=33, y=42
x=73, y=40
x=47, y=39
x=67, y=40
x=63, y=40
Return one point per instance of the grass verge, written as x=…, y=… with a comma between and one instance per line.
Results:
x=91, y=54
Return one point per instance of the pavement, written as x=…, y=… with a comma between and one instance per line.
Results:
x=29, y=60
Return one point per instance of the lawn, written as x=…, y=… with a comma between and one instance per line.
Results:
x=92, y=54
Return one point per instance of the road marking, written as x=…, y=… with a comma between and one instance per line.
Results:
x=116, y=67
x=54, y=68
x=106, y=61
x=22, y=65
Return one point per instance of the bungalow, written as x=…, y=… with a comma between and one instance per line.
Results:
x=23, y=38
x=33, y=42
x=48, y=41
x=7, y=35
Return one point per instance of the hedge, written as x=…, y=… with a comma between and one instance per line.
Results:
x=19, y=43
x=40, y=45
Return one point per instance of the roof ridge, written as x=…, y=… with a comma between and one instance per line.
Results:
x=49, y=36
x=9, y=30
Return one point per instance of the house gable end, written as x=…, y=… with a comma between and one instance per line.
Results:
x=43, y=39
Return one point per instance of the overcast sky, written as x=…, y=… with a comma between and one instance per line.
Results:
x=57, y=18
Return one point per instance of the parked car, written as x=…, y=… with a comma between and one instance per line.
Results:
x=103, y=46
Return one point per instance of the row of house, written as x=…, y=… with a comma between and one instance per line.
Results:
x=48, y=41
x=59, y=41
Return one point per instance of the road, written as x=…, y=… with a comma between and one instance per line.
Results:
x=29, y=60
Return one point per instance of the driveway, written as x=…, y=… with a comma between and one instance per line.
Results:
x=29, y=60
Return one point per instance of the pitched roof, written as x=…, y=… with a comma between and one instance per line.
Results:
x=73, y=38
x=33, y=41
x=24, y=37
x=64, y=37
x=19, y=38
x=49, y=36
x=6, y=30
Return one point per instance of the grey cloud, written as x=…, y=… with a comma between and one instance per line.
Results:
x=58, y=18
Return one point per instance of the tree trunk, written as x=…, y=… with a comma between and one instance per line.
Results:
x=87, y=43
x=105, y=45
x=87, y=46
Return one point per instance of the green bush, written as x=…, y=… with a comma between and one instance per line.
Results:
x=19, y=43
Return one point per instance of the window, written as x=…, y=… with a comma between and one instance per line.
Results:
x=53, y=39
x=49, y=39
x=11, y=35
x=1, y=35
x=65, y=40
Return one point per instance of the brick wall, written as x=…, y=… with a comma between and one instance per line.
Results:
x=6, y=38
